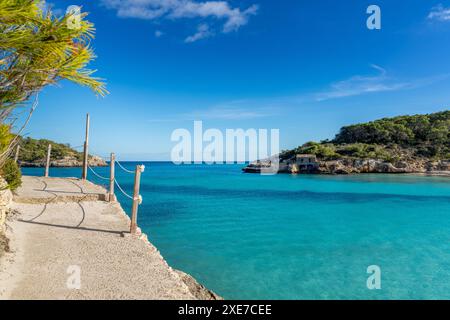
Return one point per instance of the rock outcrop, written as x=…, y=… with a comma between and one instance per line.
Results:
x=347, y=166
x=67, y=161
x=351, y=166
x=5, y=201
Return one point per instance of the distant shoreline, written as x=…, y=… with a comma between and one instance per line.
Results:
x=432, y=174
x=65, y=162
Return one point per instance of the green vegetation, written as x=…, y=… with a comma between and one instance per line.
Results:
x=38, y=49
x=11, y=173
x=33, y=150
x=390, y=139
x=9, y=169
x=5, y=137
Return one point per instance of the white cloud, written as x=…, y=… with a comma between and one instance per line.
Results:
x=49, y=6
x=358, y=85
x=231, y=112
x=203, y=32
x=440, y=13
x=260, y=108
x=159, y=33
x=233, y=17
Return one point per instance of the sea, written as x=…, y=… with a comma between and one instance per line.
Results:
x=249, y=236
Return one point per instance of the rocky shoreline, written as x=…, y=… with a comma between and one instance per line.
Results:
x=356, y=166
x=349, y=166
x=5, y=201
x=66, y=162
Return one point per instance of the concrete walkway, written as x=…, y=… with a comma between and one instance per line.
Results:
x=64, y=237
x=43, y=190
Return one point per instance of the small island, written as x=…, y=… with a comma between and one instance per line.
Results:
x=33, y=153
x=404, y=144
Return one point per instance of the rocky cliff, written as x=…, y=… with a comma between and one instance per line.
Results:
x=67, y=161
x=33, y=153
x=348, y=166
x=5, y=201
x=352, y=166
x=403, y=144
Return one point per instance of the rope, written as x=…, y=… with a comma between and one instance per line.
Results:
x=120, y=188
x=104, y=157
x=97, y=174
x=26, y=150
x=126, y=170
x=22, y=148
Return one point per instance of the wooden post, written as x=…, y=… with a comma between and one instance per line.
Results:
x=134, y=209
x=47, y=164
x=86, y=150
x=112, y=165
x=16, y=158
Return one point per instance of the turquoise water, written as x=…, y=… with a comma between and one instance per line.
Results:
x=296, y=237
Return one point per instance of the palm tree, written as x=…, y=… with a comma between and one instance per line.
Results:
x=39, y=49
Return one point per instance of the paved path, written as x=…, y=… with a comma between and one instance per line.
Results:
x=62, y=228
x=42, y=190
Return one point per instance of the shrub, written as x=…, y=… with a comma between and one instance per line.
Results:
x=5, y=137
x=405, y=131
x=11, y=173
x=323, y=151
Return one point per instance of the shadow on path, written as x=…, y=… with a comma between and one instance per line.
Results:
x=73, y=228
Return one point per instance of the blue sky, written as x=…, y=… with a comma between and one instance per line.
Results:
x=305, y=67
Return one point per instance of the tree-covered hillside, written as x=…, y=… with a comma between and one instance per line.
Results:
x=398, y=138
x=33, y=150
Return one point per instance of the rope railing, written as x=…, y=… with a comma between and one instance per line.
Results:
x=124, y=169
x=23, y=149
x=96, y=174
x=20, y=148
x=105, y=157
x=121, y=190
x=136, y=198
x=139, y=197
x=26, y=150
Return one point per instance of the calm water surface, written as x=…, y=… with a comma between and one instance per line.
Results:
x=295, y=237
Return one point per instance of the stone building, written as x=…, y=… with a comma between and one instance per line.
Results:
x=306, y=162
